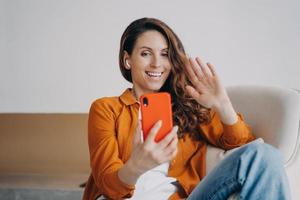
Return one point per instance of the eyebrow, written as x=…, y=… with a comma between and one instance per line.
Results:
x=145, y=47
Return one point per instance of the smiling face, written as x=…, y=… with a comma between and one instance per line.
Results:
x=149, y=62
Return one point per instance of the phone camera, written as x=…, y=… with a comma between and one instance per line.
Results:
x=145, y=101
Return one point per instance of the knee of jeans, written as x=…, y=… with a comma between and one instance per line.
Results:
x=265, y=153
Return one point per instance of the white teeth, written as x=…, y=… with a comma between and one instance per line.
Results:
x=155, y=74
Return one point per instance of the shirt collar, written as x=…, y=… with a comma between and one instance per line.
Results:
x=127, y=97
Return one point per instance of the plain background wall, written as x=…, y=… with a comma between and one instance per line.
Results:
x=57, y=56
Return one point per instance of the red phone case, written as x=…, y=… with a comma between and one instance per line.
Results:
x=157, y=107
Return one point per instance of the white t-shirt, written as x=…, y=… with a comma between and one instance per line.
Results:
x=154, y=184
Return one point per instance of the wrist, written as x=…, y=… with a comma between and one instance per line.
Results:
x=129, y=174
x=133, y=168
x=219, y=105
x=226, y=112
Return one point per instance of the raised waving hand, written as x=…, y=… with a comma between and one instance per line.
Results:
x=207, y=89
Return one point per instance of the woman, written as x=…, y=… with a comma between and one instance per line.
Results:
x=153, y=59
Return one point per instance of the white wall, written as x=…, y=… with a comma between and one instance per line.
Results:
x=3, y=53
x=60, y=55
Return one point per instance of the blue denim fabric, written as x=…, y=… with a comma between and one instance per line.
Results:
x=255, y=171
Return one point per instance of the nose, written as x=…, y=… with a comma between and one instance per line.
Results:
x=156, y=61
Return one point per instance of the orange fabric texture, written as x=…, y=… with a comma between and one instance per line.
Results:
x=112, y=123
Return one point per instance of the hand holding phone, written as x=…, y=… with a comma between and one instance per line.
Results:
x=155, y=107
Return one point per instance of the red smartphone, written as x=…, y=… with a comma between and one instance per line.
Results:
x=155, y=107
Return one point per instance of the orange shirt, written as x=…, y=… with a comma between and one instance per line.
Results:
x=112, y=123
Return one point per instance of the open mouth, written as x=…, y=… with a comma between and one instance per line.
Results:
x=154, y=74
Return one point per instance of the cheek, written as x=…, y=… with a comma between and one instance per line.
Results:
x=168, y=74
x=137, y=72
x=141, y=66
x=168, y=68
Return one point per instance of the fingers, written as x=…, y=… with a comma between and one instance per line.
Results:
x=199, y=72
x=212, y=69
x=173, y=154
x=164, y=150
x=168, y=146
x=194, y=78
x=171, y=150
x=196, y=68
x=192, y=92
x=168, y=138
x=152, y=133
x=202, y=71
x=206, y=71
x=191, y=74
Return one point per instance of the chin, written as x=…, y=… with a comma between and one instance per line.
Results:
x=155, y=88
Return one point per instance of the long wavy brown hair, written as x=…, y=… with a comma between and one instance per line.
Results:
x=187, y=113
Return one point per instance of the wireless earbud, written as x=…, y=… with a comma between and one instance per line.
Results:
x=127, y=64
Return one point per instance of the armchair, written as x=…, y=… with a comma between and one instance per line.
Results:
x=273, y=114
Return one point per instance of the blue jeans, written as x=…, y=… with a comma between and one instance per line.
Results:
x=255, y=171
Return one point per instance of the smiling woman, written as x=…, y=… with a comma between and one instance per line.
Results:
x=148, y=62
x=153, y=59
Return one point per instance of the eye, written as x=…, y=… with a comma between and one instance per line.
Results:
x=145, y=53
x=165, y=54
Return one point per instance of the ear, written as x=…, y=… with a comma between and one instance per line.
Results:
x=126, y=60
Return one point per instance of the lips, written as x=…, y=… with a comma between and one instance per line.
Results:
x=154, y=74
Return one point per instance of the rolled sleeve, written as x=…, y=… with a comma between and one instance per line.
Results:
x=115, y=188
x=236, y=135
x=226, y=136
